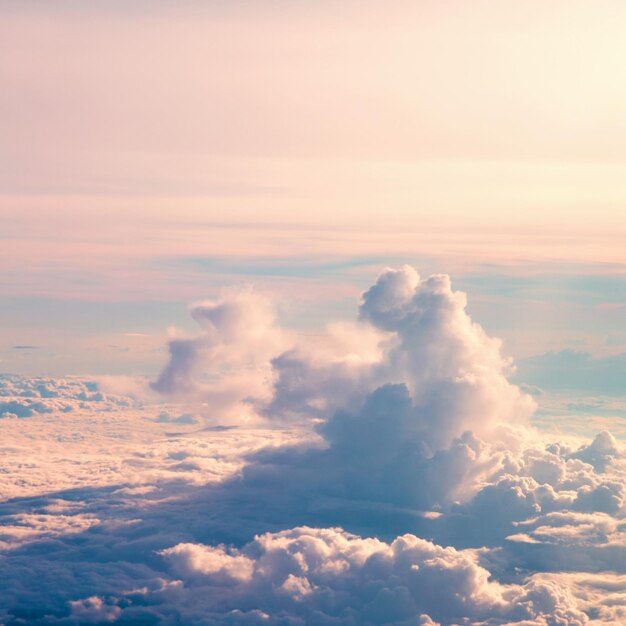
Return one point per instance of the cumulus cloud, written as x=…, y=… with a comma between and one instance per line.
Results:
x=412, y=331
x=327, y=576
x=94, y=610
x=400, y=427
x=427, y=414
x=455, y=374
x=451, y=367
x=600, y=452
x=25, y=397
x=229, y=364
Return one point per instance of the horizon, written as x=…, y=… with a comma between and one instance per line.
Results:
x=313, y=313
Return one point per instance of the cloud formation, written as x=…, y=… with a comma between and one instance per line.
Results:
x=412, y=331
x=431, y=401
x=228, y=364
x=25, y=397
x=370, y=449
x=327, y=576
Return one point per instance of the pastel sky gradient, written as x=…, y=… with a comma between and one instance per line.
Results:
x=156, y=152
x=312, y=312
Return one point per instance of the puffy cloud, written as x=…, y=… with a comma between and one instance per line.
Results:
x=600, y=452
x=315, y=378
x=602, y=595
x=418, y=416
x=413, y=331
x=191, y=560
x=409, y=426
x=25, y=397
x=455, y=374
x=327, y=576
x=229, y=364
x=383, y=452
x=17, y=408
x=451, y=367
x=321, y=576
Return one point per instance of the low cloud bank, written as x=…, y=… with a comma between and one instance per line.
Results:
x=25, y=397
x=327, y=576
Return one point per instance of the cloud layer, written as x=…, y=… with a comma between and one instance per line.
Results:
x=327, y=576
x=339, y=470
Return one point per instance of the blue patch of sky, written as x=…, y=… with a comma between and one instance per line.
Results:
x=81, y=316
x=293, y=267
x=572, y=288
x=573, y=371
x=553, y=283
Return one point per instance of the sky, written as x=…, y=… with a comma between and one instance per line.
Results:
x=154, y=153
x=240, y=241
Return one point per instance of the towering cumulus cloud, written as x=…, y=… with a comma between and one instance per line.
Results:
x=406, y=484
x=406, y=412
x=412, y=332
x=454, y=372
x=420, y=431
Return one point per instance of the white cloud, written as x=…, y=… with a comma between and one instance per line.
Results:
x=149, y=512
x=600, y=451
x=24, y=397
x=345, y=579
x=229, y=363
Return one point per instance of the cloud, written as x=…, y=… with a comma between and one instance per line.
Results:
x=391, y=473
x=228, y=364
x=420, y=431
x=431, y=401
x=600, y=452
x=94, y=610
x=413, y=331
x=327, y=576
x=449, y=364
x=25, y=397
